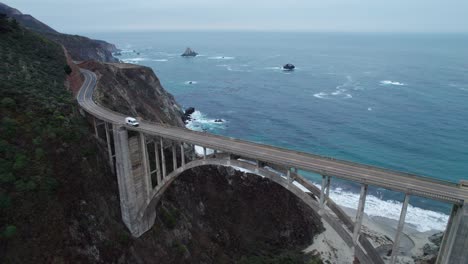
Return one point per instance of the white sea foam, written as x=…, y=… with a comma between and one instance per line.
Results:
x=221, y=58
x=388, y=82
x=200, y=122
x=160, y=60
x=135, y=60
x=200, y=153
x=421, y=219
x=321, y=95
x=369, y=108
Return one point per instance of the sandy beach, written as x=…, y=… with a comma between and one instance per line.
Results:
x=380, y=232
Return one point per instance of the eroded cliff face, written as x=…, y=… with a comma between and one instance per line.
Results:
x=134, y=91
x=83, y=48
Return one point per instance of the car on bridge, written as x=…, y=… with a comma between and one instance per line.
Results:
x=131, y=121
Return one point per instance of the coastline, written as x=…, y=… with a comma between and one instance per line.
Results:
x=380, y=231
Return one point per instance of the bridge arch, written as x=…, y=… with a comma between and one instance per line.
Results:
x=365, y=251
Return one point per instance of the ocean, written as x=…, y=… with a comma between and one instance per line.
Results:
x=398, y=101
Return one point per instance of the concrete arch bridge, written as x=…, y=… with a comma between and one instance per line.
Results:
x=148, y=158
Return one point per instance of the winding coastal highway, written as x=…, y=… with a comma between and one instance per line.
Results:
x=393, y=180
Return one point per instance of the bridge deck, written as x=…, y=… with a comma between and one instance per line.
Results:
x=393, y=180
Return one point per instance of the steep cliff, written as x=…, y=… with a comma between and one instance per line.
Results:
x=79, y=47
x=135, y=91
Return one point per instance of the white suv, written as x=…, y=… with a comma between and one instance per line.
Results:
x=131, y=121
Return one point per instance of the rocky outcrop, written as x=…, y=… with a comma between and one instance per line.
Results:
x=288, y=67
x=80, y=48
x=189, y=53
x=134, y=90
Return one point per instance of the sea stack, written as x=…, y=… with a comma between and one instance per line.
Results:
x=288, y=67
x=189, y=53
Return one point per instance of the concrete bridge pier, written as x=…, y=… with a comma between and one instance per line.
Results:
x=359, y=213
x=109, y=147
x=454, y=247
x=132, y=181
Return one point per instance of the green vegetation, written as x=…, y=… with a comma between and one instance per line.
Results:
x=37, y=122
x=169, y=218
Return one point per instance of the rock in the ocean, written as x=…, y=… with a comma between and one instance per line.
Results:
x=187, y=114
x=189, y=111
x=218, y=120
x=189, y=53
x=288, y=67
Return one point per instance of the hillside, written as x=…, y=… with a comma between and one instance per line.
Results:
x=80, y=48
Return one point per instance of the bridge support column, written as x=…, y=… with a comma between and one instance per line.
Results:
x=95, y=127
x=182, y=154
x=163, y=159
x=324, y=192
x=174, y=157
x=146, y=167
x=204, y=152
x=455, y=243
x=401, y=223
x=109, y=148
x=130, y=186
x=359, y=213
x=158, y=165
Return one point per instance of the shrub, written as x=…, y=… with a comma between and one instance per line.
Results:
x=9, y=231
x=67, y=69
x=8, y=102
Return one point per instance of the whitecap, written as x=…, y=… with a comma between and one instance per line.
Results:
x=388, y=82
x=321, y=95
x=161, y=60
x=369, y=108
x=200, y=122
x=134, y=60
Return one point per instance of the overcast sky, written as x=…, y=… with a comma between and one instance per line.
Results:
x=78, y=16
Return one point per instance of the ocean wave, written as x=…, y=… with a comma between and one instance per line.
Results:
x=161, y=60
x=135, y=60
x=200, y=122
x=321, y=95
x=221, y=58
x=421, y=219
x=388, y=82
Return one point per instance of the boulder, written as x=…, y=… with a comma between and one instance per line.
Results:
x=189, y=53
x=288, y=67
x=189, y=111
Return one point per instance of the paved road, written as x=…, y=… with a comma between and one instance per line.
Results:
x=393, y=180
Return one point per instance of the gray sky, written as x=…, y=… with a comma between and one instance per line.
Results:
x=78, y=16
